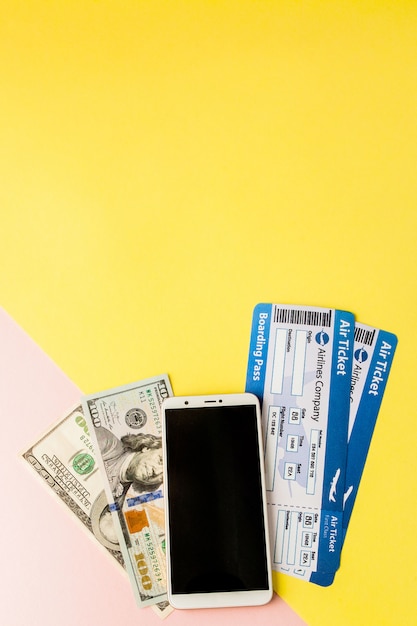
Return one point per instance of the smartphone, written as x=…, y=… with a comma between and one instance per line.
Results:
x=217, y=542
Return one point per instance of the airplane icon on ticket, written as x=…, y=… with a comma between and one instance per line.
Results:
x=333, y=486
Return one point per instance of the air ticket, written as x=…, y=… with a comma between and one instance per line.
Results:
x=300, y=367
x=373, y=355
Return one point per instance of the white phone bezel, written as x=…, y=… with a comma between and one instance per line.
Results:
x=217, y=599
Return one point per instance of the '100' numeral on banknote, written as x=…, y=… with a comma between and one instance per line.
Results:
x=126, y=426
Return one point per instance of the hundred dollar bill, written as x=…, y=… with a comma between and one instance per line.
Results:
x=126, y=428
x=65, y=459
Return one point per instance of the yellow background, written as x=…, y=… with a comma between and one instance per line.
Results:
x=167, y=165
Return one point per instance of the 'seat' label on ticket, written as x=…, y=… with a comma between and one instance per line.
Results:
x=300, y=367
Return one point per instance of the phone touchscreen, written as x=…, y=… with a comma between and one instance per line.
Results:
x=215, y=504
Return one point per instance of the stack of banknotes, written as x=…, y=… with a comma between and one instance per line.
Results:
x=104, y=460
x=320, y=377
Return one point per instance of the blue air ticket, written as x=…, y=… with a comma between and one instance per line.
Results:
x=300, y=367
x=373, y=355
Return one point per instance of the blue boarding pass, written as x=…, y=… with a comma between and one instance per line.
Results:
x=300, y=368
x=373, y=355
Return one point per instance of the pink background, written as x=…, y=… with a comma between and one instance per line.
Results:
x=54, y=572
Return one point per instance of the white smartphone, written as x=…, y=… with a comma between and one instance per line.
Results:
x=217, y=542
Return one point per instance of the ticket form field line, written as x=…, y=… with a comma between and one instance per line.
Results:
x=299, y=363
x=280, y=536
x=292, y=538
x=271, y=446
x=277, y=379
x=286, y=536
x=312, y=469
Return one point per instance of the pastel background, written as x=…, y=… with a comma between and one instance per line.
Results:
x=165, y=165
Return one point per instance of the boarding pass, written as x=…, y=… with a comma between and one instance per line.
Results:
x=300, y=366
x=372, y=359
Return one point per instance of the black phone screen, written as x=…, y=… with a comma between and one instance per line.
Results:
x=215, y=505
